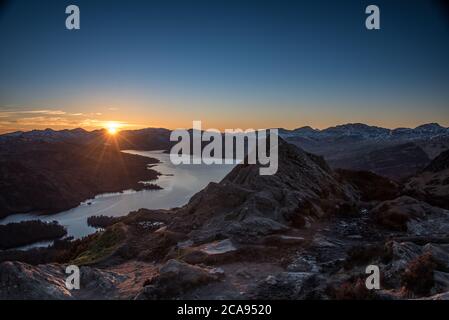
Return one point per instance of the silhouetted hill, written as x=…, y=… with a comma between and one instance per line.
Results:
x=55, y=176
x=145, y=139
x=439, y=163
x=396, y=162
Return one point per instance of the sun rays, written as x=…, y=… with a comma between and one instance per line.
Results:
x=112, y=127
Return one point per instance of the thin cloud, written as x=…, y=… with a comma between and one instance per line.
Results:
x=47, y=112
x=45, y=121
x=14, y=120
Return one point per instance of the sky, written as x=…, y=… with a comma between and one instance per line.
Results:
x=231, y=64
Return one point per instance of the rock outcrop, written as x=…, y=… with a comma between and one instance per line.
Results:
x=21, y=281
x=246, y=205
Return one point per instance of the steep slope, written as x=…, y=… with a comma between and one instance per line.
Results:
x=440, y=163
x=432, y=184
x=396, y=162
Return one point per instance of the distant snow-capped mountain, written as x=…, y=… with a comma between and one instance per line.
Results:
x=49, y=135
x=396, y=153
x=366, y=132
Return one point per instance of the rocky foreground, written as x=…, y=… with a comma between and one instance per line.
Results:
x=307, y=232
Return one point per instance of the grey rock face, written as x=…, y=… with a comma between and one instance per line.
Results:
x=24, y=282
x=246, y=205
x=47, y=282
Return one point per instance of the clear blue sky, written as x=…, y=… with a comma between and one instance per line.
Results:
x=229, y=63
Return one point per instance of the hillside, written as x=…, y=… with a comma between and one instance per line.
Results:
x=432, y=183
x=49, y=177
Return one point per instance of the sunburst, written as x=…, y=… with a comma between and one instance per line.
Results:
x=112, y=127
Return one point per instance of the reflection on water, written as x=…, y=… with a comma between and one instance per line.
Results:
x=180, y=183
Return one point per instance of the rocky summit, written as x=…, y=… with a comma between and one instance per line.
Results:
x=246, y=206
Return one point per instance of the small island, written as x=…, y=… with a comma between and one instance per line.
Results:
x=102, y=222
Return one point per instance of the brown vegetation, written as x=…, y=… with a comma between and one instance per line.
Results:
x=418, y=277
x=353, y=289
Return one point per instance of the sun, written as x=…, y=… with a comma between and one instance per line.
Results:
x=112, y=128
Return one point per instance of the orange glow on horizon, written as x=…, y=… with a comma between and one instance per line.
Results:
x=112, y=127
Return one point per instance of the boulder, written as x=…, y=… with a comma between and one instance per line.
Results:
x=47, y=282
x=175, y=278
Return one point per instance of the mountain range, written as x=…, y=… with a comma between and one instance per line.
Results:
x=354, y=131
x=395, y=153
x=363, y=131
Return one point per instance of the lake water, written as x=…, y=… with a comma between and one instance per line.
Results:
x=179, y=184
